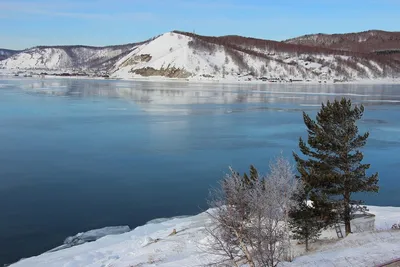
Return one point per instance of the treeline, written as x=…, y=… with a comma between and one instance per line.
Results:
x=225, y=43
x=365, y=42
x=387, y=52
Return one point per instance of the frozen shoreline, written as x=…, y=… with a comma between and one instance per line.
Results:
x=152, y=244
x=201, y=80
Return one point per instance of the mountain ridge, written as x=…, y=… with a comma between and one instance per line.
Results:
x=6, y=53
x=178, y=54
x=365, y=42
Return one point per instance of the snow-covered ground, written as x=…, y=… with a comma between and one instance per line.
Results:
x=152, y=245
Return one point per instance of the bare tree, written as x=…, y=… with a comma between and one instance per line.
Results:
x=230, y=218
x=250, y=217
x=285, y=184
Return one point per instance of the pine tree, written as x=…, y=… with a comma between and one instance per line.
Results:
x=306, y=220
x=247, y=181
x=333, y=168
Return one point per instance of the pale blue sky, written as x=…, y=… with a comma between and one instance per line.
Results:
x=26, y=23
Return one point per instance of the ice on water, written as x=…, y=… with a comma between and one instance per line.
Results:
x=91, y=235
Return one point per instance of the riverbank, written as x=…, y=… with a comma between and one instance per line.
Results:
x=197, y=79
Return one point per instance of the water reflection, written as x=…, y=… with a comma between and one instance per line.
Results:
x=182, y=93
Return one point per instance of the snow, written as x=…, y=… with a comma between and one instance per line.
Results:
x=152, y=245
x=62, y=58
x=173, y=50
x=134, y=248
x=362, y=249
x=5, y=53
x=91, y=235
x=385, y=217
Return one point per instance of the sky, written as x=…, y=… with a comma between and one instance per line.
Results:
x=27, y=23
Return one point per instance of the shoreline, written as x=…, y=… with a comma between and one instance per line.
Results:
x=143, y=236
x=199, y=80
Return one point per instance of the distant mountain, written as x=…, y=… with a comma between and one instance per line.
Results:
x=67, y=57
x=6, y=53
x=186, y=55
x=373, y=41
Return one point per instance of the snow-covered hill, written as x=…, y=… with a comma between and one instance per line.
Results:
x=152, y=245
x=189, y=56
x=6, y=53
x=66, y=58
x=367, y=41
x=185, y=55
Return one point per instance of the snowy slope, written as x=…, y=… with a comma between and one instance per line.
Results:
x=174, y=51
x=151, y=245
x=171, y=55
x=6, y=53
x=66, y=57
x=184, y=55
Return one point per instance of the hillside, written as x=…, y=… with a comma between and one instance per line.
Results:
x=184, y=55
x=67, y=57
x=6, y=53
x=152, y=245
x=190, y=56
x=381, y=42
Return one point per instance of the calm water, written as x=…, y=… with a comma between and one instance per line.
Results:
x=79, y=154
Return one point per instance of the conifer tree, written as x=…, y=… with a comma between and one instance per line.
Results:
x=246, y=183
x=249, y=181
x=333, y=167
x=306, y=219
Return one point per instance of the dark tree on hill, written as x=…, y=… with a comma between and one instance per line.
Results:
x=333, y=167
x=249, y=181
x=306, y=220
